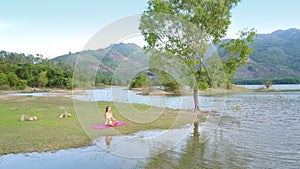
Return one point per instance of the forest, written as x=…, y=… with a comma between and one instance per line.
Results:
x=18, y=71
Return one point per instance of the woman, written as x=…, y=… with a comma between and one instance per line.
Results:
x=109, y=119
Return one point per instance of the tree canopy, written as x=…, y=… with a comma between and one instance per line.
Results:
x=17, y=71
x=186, y=29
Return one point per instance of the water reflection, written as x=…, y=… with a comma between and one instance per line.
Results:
x=88, y=157
x=143, y=144
x=258, y=135
x=194, y=153
x=108, y=140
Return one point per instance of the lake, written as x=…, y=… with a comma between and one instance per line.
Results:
x=275, y=86
x=253, y=130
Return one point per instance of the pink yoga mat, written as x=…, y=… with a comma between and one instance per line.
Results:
x=121, y=123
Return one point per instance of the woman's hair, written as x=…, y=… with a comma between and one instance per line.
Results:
x=107, y=107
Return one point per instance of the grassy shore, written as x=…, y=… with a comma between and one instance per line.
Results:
x=47, y=133
x=209, y=91
x=50, y=132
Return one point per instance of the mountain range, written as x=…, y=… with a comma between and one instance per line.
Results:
x=275, y=55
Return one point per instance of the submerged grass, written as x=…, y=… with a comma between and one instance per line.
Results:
x=50, y=132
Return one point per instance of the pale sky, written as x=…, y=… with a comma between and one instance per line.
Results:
x=55, y=27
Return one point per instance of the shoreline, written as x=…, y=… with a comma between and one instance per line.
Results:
x=234, y=89
x=66, y=133
x=44, y=90
x=154, y=92
x=34, y=105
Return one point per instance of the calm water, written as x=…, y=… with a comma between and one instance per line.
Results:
x=257, y=130
x=281, y=87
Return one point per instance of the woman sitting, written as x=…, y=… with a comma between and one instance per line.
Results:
x=109, y=119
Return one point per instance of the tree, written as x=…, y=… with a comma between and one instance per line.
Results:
x=216, y=70
x=21, y=84
x=20, y=70
x=165, y=80
x=235, y=53
x=42, y=79
x=3, y=79
x=141, y=80
x=186, y=29
x=267, y=83
x=12, y=79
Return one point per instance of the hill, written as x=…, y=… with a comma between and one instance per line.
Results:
x=110, y=57
x=104, y=62
x=275, y=55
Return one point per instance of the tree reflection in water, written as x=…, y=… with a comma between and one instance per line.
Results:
x=216, y=152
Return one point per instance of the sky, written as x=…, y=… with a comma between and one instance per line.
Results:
x=53, y=28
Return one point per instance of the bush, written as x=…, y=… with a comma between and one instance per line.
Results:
x=171, y=86
x=267, y=84
x=4, y=87
x=3, y=79
x=21, y=84
x=141, y=80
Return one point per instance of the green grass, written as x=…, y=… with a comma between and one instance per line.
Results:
x=47, y=133
x=50, y=132
x=233, y=89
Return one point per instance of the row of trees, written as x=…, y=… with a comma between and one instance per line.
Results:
x=169, y=84
x=17, y=71
x=287, y=80
x=155, y=78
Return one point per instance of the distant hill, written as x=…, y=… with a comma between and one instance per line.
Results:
x=110, y=57
x=104, y=62
x=275, y=55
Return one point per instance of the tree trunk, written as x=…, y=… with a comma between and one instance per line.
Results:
x=196, y=99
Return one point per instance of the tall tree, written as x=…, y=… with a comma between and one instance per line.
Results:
x=12, y=79
x=235, y=53
x=3, y=79
x=42, y=79
x=142, y=81
x=186, y=29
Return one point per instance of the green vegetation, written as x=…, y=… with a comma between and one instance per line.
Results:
x=182, y=31
x=287, y=80
x=50, y=132
x=217, y=91
x=149, y=80
x=275, y=55
x=272, y=59
x=97, y=67
x=234, y=54
x=269, y=90
x=18, y=71
x=141, y=81
x=47, y=133
x=164, y=80
x=267, y=84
